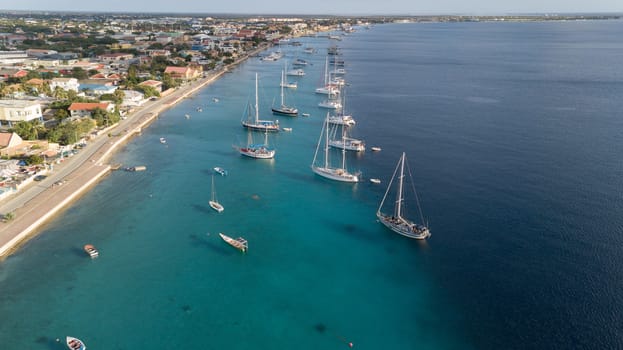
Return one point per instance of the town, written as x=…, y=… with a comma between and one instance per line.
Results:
x=66, y=77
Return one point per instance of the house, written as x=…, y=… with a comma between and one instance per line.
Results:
x=184, y=73
x=84, y=109
x=152, y=83
x=12, y=57
x=133, y=98
x=13, y=111
x=12, y=73
x=9, y=141
x=115, y=57
x=98, y=89
x=65, y=84
x=40, y=53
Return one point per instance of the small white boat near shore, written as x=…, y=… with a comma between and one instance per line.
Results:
x=287, y=129
x=163, y=140
x=376, y=149
x=375, y=181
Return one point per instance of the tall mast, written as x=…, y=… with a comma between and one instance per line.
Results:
x=326, y=71
x=402, y=174
x=282, y=83
x=257, y=113
x=343, y=149
x=326, y=142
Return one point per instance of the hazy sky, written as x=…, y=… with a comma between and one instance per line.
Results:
x=338, y=7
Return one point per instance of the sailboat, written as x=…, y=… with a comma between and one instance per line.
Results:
x=327, y=88
x=396, y=222
x=253, y=122
x=348, y=143
x=258, y=150
x=214, y=204
x=284, y=109
x=341, y=118
x=325, y=170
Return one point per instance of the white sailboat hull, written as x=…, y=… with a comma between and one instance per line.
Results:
x=348, y=144
x=403, y=227
x=335, y=174
x=216, y=206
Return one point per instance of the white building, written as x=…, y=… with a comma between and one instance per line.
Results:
x=13, y=111
x=65, y=84
x=133, y=98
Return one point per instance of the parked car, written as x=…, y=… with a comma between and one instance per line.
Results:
x=39, y=177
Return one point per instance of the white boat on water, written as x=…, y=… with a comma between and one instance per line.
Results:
x=283, y=108
x=325, y=169
x=330, y=104
x=341, y=119
x=299, y=62
x=305, y=114
x=91, y=250
x=349, y=144
x=289, y=85
x=396, y=221
x=214, y=204
x=376, y=149
x=163, y=140
x=252, y=120
x=220, y=170
x=298, y=72
x=75, y=343
x=238, y=243
x=327, y=88
x=257, y=150
x=375, y=181
x=287, y=129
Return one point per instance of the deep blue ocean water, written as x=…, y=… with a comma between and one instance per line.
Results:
x=513, y=132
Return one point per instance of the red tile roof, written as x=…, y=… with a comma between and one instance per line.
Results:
x=86, y=106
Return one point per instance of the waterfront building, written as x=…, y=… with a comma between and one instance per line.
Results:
x=13, y=111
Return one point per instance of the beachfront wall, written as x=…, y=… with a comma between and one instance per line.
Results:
x=14, y=111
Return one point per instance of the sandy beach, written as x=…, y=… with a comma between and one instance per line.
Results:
x=39, y=202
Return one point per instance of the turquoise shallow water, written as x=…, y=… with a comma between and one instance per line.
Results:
x=513, y=133
x=316, y=275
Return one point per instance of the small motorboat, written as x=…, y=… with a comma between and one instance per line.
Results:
x=375, y=181
x=238, y=243
x=187, y=116
x=375, y=149
x=215, y=100
x=91, y=250
x=287, y=129
x=163, y=140
x=305, y=114
x=75, y=343
x=220, y=170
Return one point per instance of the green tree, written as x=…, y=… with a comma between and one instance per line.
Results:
x=148, y=91
x=34, y=159
x=27, y=130
x=79, y=73
x=61, y=114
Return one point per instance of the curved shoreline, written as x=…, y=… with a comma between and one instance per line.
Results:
x=32, y=213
